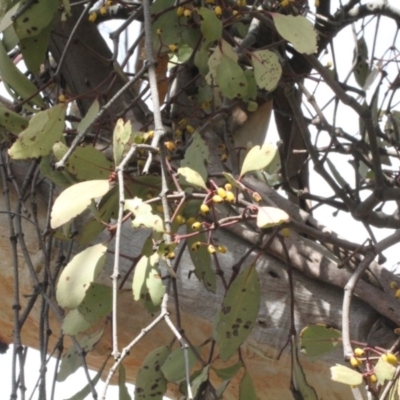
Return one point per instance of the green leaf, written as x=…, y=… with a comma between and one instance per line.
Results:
x=210, y=25
x=72, y=360
x=97, y=303
x=150, y=382
x=6, y=20
x=199, y=380
x=74, y=323
x=384, y=371
x=223, y=49
x=251, y=86
x=12, y=121
x=147, y=284
x=233, y=181
x=258, y=157
x=11, y=75
x=317, y=340
x=86, y=163
x=83, y=393
x=123, y=390
x=271, y=216
x=34, y=49
x=75, y=280
x=89, y=117
x=360, y=57
x=44, y=129
x=75, y=199
x=231, y=79
x=298, y=30
x=246, y=388
x=348, y=376
x=144, y=216
x=196, y=156
x=228, y=372
x=239, y=312
x=201, y=259
x=121, y=136
x=190, y=177
x=174, y=367
x=60, y=178
x=267, y=69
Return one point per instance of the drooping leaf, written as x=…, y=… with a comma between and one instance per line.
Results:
x=150, y=382
x=258, y=157
x=191, y=177
x=121, y=136
x=239, y=312
x=72, y=360
x=348, y=376
x=317, y=340
x=174, y=367
x=79, y=273
x=199, y=380
x=74, y=323
x=298, y=30
x=147, y=284
x=144, y=216
x=268, y=217
x=267, y=69
x=75, y=199
x=360, y=57
x=91, y=114
x=384, y=371
x=6, y=20
x=201, y=259
x=251, y=85
x=12, y=121
x=123, y=390
x=231, y=79
x=86, y=163
x=228, y=372
x=44, y=129
x=210, y=25
x=35, y=18
x=97, y=302
x=246, y=388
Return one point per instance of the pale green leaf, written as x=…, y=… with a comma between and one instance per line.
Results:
x=91, y=114
x=223, y=49
x=97, y=302
x=174, y=367
x=150, y=382
x=233, y=181
x=298, y=30
x=44, y=129
x=12, y=121
x=123, y=390
x=267, y=69
x=384, y=371
x=35, y=18
x=147, y=285
x=144, y=216
x=231, y=79
x=121, y=136
x=317, y=340
x=6, y=20
x=228, y=372
x=77, y=276
x=258, y=157
x=268, y=217
x=251, y=86
x=210, y=25
x=86, y=163
x=72, y=360
x=199, y=380
x=75, y=199
x=60, y=178
x=361, y=66
x=191, y=177
x=239, y=312
x=348, y=376
x=246, y=388
x=74, y=323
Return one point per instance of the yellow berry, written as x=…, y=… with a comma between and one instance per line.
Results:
x=159, y=32
x=178, y=133
x=196, y=226
x=190, y=129
x=221, y=147
x=217, y=199
x=256, y=197
x=228, y=186
x=355, y=362
x=109, y=3
x=173, y=48
x=179, y=11
x=180, y=219
x=359, y=352
x=230, y=197
x=149, y=195
x=187, y=13
x=103, y=10
x=92, y=17
x=222, y=249
x=160, y=208
x=205, y=105
x=236, y=14
x=218, y=11
x=182, y=123
x=191, y=220
x=211, y=249
x=285, y=232
x=195, y=246
x=204, y=209
x=223, y=157
x=391, y=358
x=397, y=331
x=62, y=98
x=393, y=285
x=397, y=293
x=170, y=145
x=373, y=378
x=221, y=192
x=171, y=255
